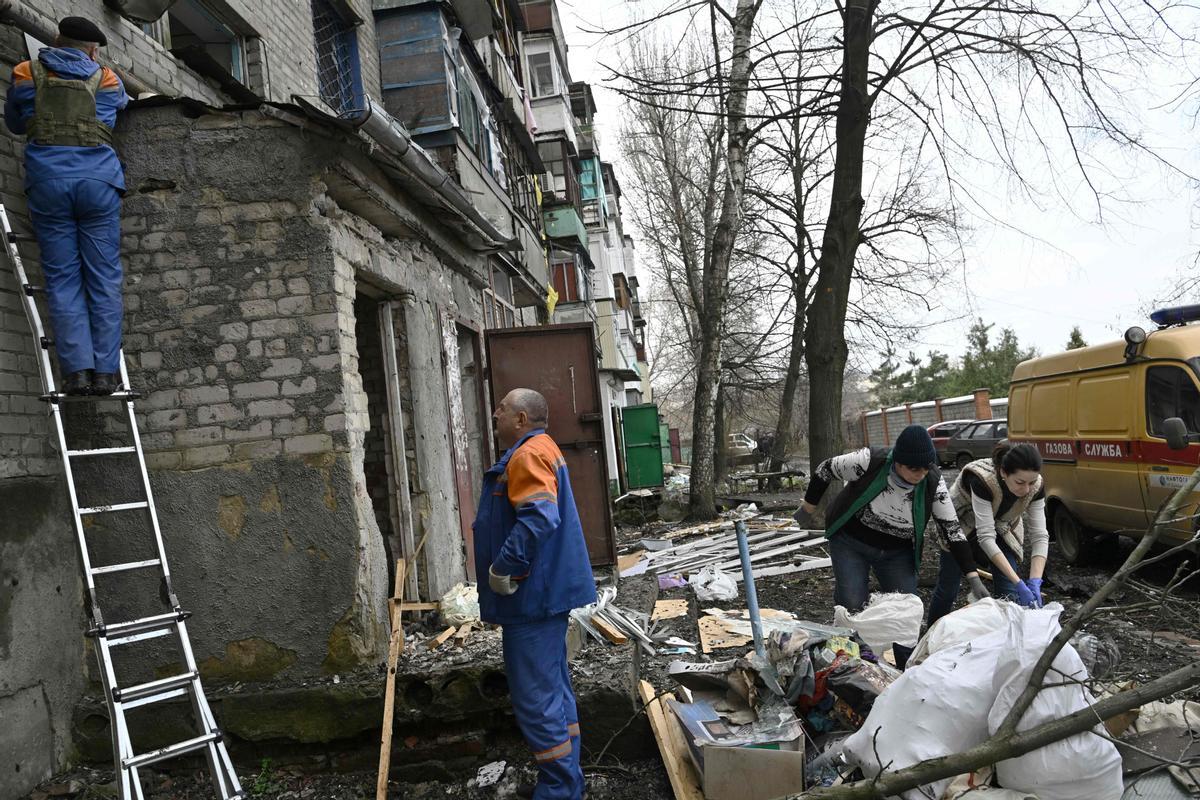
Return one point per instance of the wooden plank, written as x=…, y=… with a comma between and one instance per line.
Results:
x=685, y=783
x=669, y=609
x=460, y=638
x=609, y=632
x=440, y=639
x=434, y=606
x=395, y=646
x=629, y=560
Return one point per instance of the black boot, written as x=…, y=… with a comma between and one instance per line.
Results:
x=104, y=384
x=78, y=383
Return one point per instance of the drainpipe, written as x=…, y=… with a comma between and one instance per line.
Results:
x=389, y=134
x=42, y=28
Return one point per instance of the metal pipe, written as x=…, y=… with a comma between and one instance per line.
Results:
x=388, y=133
x=751, y=594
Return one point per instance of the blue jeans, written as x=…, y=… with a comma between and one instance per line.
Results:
x=950, y=578
x=78, y=226
x=853, y=562
x=539, y=682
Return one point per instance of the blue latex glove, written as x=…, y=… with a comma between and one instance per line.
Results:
x=1025, y=596
x=1035, y=586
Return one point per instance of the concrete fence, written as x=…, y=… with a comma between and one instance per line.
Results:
x=879, y=428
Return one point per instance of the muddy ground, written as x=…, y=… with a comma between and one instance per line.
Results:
x=1151, y=643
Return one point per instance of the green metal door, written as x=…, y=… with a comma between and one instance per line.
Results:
x=664, y=440
x=643, y=446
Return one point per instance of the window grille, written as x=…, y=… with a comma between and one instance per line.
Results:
x=338, y=79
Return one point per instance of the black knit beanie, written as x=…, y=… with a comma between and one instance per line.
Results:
x=914, y=448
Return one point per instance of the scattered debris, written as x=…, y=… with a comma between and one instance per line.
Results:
x=490, y=774
x=887, y=619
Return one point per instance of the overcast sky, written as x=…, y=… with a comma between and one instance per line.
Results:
x=1068, y=270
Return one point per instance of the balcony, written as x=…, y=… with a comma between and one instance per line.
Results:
x=563, y=222
x=588, y=138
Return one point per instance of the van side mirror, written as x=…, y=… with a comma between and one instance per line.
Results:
x=1175, y=432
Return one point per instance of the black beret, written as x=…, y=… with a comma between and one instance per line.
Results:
x=81, y=30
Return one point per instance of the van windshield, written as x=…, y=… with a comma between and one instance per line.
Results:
x=1171, y=392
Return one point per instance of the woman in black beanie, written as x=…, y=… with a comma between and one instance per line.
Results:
x=877, y=523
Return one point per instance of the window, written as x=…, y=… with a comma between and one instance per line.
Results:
x=338, y=79
x=565, y=281
x=982, y=431
x=498, y=309
x=541, y=75
x=1171, y=392
x=192, y=30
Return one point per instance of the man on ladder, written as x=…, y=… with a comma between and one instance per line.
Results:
x=66, y=104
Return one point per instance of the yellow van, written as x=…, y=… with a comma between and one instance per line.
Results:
x=1118, y=426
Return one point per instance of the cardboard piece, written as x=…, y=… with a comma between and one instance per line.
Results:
x=669, y=609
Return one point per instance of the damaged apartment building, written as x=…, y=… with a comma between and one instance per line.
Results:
x=347, y=226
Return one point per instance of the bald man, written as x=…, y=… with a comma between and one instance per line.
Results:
x=528, y=538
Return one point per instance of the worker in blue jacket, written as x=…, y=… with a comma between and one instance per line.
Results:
x=66, y=105
x=528, y=537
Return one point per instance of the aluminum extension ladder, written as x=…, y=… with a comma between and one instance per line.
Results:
x=109, y=635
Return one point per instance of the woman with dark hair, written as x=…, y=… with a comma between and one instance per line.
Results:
x=1000, y=502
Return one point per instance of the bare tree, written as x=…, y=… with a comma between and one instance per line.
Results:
x=991, y=84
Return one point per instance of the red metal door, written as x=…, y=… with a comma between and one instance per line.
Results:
x=560, y=362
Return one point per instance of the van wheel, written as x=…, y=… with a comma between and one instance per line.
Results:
x=962, y=460
x=1070, y=535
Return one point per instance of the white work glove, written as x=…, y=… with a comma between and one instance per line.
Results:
x=502, y=585
x=976, y=587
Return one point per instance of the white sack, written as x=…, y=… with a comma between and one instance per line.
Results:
x=711, y=583
x=887, y=618
x=969, y=622
x=1081, y=767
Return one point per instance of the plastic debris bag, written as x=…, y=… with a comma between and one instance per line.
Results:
x=969, y=622
x=887, y=618
x=711, y=584
x=460, y=605
x=1080, y=767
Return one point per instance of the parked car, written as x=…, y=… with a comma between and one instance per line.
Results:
x=975, y=440
x=741, y=449
x=941, y=433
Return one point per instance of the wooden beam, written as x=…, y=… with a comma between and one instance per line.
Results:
x=609, y=632
x=440, y=639
x=460, y=638
x=395, y=647
x=671, y=746
x=396, y=601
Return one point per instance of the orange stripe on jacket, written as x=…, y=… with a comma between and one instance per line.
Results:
x=24, y=72
x=532, y=472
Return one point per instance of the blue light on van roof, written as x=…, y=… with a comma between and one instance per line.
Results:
x=1176, y=316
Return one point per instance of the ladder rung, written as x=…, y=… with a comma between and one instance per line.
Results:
x=101, y=451
x=63, y=397
x=114, y=507
x=20, y=237
x=163, y=753
x=129, y=565
x=31, y=290
x=152, y=688
x=154, y=698
x=117, y=641
x=136, y=626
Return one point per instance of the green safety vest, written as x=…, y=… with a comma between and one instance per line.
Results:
x=64, y=110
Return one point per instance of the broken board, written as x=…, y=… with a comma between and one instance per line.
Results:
x=669, y=609
x=685, y=783
x=609, y=632
x=713, y=636
x=440, y=639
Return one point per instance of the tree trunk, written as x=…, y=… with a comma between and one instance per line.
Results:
x=702, y=495
x=702, y=499
x=720, y=439
x=791, y=382
x=825, y=338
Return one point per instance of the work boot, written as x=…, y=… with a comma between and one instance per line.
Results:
x=104, y=384
x=79, y=383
